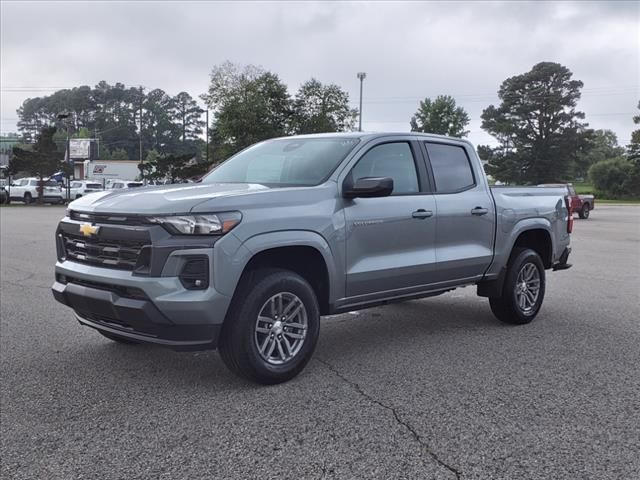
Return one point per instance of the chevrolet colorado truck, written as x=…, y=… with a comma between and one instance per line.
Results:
x=291, y=229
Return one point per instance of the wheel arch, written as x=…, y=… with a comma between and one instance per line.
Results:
x=303, y=252
x=539, y=240
x=534, y=235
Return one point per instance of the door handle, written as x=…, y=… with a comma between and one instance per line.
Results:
x=479, y=211
x=422, y=213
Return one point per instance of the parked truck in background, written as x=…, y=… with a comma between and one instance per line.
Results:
x=580, y=204
x=291, y=229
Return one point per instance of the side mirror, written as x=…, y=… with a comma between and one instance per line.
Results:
x=367, y=187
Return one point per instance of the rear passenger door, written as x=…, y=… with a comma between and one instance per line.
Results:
x=466, y=217
x=390, y=244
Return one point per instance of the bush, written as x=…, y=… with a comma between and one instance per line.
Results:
x=615, y=178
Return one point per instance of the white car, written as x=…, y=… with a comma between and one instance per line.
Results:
x=116, y=184
x=79, y=188
x=26, y=190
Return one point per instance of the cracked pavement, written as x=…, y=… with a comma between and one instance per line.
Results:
x=433, y=388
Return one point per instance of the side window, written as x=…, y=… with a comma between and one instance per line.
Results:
x=393, y=160
x=451, y=168
x=76, y=185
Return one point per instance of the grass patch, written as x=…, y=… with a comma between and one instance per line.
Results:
x=584, y=188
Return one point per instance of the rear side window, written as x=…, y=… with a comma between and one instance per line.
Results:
x=451, y=168
x=393, y=160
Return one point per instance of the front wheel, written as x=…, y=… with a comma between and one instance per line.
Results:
x=272, y=328
x=584, y=212
x=523, y=290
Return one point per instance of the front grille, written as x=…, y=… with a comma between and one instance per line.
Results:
x=106, y=218
x=112, y=253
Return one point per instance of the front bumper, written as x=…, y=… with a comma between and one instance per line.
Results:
x=147, y=309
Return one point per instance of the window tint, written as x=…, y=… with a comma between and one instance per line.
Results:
x=33, y=183
x=451, y=167
x=393, y=160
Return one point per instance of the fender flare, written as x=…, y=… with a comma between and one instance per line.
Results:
x=277, y=239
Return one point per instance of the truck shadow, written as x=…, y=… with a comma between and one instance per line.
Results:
x=415, y=323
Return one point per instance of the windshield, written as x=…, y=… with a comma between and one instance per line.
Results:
x=285, y=162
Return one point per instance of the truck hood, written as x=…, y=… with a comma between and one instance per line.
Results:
x=168, y=199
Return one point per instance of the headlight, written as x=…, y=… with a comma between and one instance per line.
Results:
x=199, y=224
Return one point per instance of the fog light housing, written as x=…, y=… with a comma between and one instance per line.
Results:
x=194, y=274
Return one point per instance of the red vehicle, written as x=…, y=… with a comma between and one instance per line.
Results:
x=582, y=204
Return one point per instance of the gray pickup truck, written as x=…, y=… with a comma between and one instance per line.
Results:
x=290, y=229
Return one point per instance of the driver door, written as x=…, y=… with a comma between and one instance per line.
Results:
x=390, y=244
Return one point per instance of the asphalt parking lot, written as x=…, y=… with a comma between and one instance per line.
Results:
x=434, y=388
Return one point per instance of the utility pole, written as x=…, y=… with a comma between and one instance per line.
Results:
x=361, y=76
x=206, y=148
x=141, y=160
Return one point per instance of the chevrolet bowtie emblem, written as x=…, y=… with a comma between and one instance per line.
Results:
x=87, y=229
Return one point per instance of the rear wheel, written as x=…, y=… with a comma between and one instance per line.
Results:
x=272, y=328
x=584, y=212
x=28, y=198
x=118, y=338
x=523, y=290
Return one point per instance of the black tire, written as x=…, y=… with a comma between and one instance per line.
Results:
x=118, y=338
x=239, y=338
x=28, y=198
x=506, y=308
x=584, y=212
x=78, y=196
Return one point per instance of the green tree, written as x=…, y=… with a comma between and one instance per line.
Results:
x=119, y=154
x=601, y=145
x=42, y=160
x=188, y=116
x=441, y=117
x=319, y=108
x=633, y=154
x=613, y=178
x=174, y=168
x=537, y=125
x=633, y=149
x=249, y=105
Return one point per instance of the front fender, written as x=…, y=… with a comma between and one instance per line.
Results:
x=233, y=264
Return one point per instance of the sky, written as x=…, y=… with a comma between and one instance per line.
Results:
x=409, y=50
